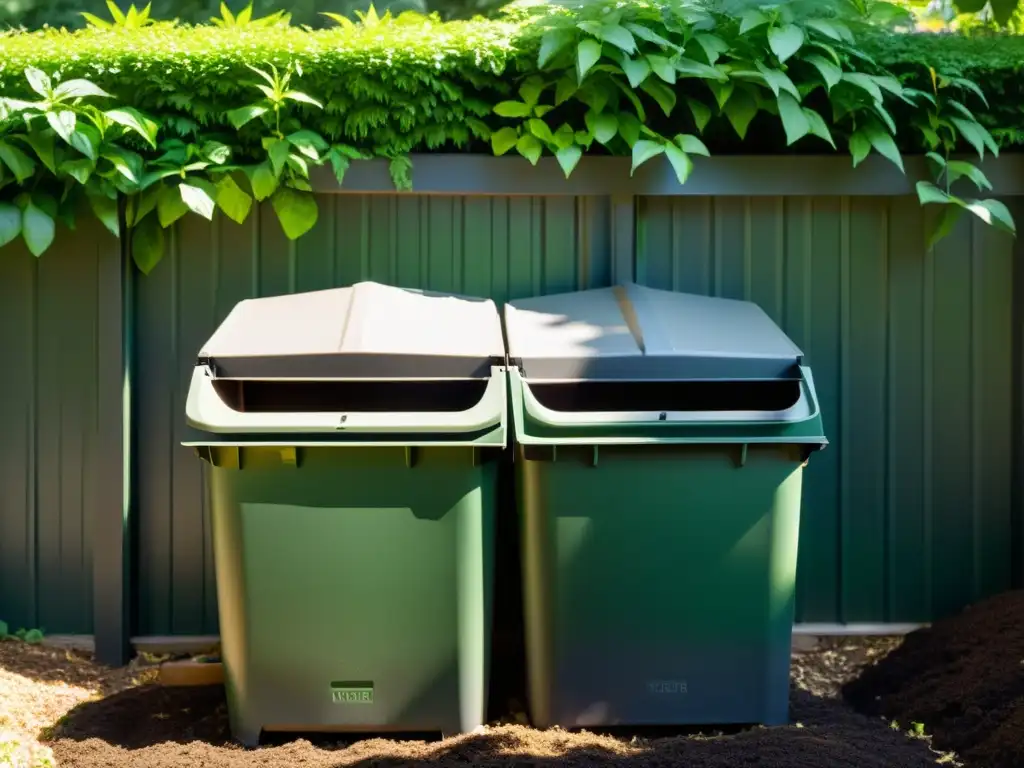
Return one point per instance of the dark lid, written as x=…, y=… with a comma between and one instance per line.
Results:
x=366, y=331
x=631, y=332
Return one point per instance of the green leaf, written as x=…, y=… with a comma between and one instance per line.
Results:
x=741, y=109
x=588, y=53
x=692, y=145
x=994, y=213
x=794, y=121
x=636, y=70
x=540, y=129
x=278, y=151
x=86, y=140
x=661, y=93
x=865, y=83
x=564, y=89
x=233, y=200
x=681, y=162
x=883, y=144
x=302, y=98
x=663, y=68
x=701, y=113
x=643, y=151
x=646, y=33
x=832, y=29
x=241, y=116
x=818, y=126
x=722, y=92
x=147, y=244
x=263, y=180
x=958, y=169
x=105, y=209
x=973, y=133
x=971, y=86
x=529, y=146
x=512, y=109
x=197, y=199
x=565, y=136
x=629, y=128
x=830, y=73
x=778, y=81
x=618, y=36
x=10, y=228
x=43, y=145
x=37, y=229
x=80, y=170
x=752, y=19
x=216, y=152
x=39, y=81
x=74, y=89
x=141, y=205
x=503, y=140
x=928, y=193
x=691, y=68
x=713, y=46
x=33, y=637
x=785, y=40
x=531, y=89
x=604, y=127
x=309, y=143
x=63, y=123
x=297, y=211
x=339, y=164
x=638, y=106
x=552, y=43
x=21, y=165
x=943, y=224
x=568, y=157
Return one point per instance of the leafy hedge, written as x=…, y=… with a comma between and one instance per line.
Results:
x=181, y=119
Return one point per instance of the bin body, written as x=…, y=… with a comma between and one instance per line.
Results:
x=659, y=585
x=661, y=440
x=355, y=590
x=351, y=438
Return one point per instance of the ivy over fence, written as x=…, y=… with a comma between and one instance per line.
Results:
x=180, y=120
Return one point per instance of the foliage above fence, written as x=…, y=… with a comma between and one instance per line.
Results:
x=191, y=119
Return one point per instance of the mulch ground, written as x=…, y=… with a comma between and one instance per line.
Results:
x=963, y=678
x=121, y=721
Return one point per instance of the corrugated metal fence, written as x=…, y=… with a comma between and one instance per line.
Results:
x=912, y=512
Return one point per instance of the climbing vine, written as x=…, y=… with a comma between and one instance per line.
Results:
x=182, y=120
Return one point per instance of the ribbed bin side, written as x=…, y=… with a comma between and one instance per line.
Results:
x=659, y=584
x=355, y=590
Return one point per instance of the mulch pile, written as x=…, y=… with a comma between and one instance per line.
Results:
x=962, y=678
x=187, y=727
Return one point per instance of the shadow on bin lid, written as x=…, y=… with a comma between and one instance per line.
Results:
x=368, y=330
x=634, y=333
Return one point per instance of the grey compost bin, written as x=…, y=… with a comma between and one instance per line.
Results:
x=661, y=444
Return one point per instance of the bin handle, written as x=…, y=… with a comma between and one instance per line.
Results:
x=207, y=411
x=804, y=409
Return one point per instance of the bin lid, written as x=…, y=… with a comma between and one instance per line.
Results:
x=633, y=333
x=366, y=331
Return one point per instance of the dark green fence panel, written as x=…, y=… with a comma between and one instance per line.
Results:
x=502, y=247
x=54, y=456
x=907, y=515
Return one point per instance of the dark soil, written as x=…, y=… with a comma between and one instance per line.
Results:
x=187, y=728
x=962, y=678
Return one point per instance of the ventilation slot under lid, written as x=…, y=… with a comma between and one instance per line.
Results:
x=678, y=396
x=269, y=396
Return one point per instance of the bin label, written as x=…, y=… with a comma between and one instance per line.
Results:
x=667, y=686
x=352, y=692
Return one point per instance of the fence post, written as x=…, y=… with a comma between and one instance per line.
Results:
x=112, y=571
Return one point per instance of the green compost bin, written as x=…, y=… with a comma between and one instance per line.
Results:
x=351, y=437
x=661, y=444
